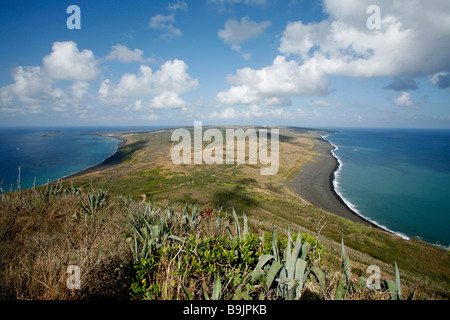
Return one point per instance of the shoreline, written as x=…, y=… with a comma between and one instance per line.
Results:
x=315, y=184
x=348, y=204
x=113, y=160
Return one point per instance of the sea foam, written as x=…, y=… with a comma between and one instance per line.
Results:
x=338, y=190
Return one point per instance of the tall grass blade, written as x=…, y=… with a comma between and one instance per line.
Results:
x=236, y=223
x=345, y=263
x=398, y=288
x=245, y=226
x=275, y=246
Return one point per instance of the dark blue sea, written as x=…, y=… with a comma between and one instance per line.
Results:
x=48, y=154
x=397, y=178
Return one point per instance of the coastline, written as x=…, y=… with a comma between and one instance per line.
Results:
x=314, y=183
x=113, y=160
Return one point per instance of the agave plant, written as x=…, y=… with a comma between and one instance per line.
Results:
x=191, y=219
x=94, y=202
x=290, y=272
x=239, y=233
x=217, y=290
x=50, y=193
x=394, y=287
x=345, y=279
x=151, y=230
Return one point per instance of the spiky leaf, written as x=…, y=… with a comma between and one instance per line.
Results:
x=272, y=273
x=398, y=288
x=217, y=289
x=319, y=275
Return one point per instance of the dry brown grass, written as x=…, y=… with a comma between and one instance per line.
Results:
x=40, y=239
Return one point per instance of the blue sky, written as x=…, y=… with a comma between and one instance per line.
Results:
x=304, y=63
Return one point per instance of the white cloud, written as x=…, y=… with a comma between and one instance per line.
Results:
x=251, y=112
x=248, y=2
x=79, y=89
x=31, y=86
x=319, y=103
x=167, y=100
x=236, y=32
x=299, y=38
x=39, y=88
x=122, y=53
x=404, y=100
x=179, y=5
x=345, y=46
x=165, y=85
x=163, y=22
x=67, y=63
x=414, y=40
x=228, y=113
x=441, y=79
x=278, y=81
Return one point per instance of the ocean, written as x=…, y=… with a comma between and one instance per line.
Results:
x=397, y=178
x=48, y=154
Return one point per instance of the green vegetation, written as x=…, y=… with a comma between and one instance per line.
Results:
x=135, y=250
x=132, y=234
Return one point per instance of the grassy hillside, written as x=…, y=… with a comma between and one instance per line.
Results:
x=46, y=229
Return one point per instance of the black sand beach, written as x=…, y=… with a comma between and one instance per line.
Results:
x=314, y=183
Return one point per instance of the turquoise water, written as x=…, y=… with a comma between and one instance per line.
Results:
x=48, y=158
x=397, y=178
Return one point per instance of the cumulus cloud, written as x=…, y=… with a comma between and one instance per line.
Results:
x=414, y=40
x=122, y=53
x=164, y=85
x=404, y=100
x=66, y=62
x=167, y=100
x=166, y=23
x=236, y=32
x=279, y=81
x=31, y=85
x=36, y=86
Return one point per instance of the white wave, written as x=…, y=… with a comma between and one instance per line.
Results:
x=347, y=202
